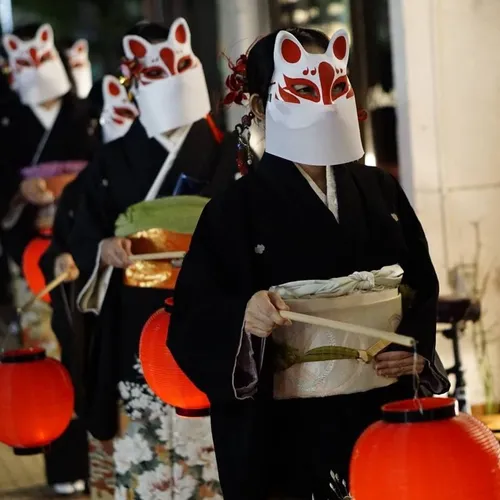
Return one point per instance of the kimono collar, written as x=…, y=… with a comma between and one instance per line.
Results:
x=46, y=117
x=170, y=142
x=330, y=198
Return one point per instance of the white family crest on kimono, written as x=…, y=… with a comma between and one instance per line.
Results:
x=118, y=113
x=79, y=62
x=39, y=73
x=170, y=88
x=316, y=128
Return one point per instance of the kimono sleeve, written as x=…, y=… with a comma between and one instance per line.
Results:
x=63, y=224
x=214, y=286
x=422, y=286
x=94, y=221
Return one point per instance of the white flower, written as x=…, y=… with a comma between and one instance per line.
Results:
x=135, y=415
x=124, y=390
x=164, y=431
x=191, y=437
x=136, y=392
x=157, y=409
x=138, y=366
x=123, y=460
x=184, y=484
x=210, y=472
x=131, y=450
x=260, y=249
x=154, y=484
x=120, y=492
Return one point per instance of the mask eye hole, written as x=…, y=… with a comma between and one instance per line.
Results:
x=154, y=73
x=125, y=113
x=23, y=63
x=46, y=57
x=184, y=64
x=338, y=89
x=305, y=90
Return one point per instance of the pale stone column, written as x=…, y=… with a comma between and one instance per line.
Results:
x=241, y=22
x=447, y=75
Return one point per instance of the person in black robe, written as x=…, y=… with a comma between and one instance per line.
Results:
x=67, y=462
x=73, y=329
x=43, y=125
x=294, y=219
x=7, y=310
x=183, y=143
x=39, y=124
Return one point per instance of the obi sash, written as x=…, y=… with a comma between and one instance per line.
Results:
x=159, y=225
x=313, y=361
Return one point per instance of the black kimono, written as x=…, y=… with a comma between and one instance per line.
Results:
x=271, y=228
x=6, y=95
x=121, y=176
x=73, y=332
x=24, y=139
x=72, y=137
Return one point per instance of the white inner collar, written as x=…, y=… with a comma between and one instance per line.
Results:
x=330, y=198
x=47, y=117
x=170, y=142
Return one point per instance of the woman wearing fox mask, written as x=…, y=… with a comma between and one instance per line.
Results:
x=58, y=136
x=47, y=133
x=115, y=113
x=172, y=148
x=302, y=232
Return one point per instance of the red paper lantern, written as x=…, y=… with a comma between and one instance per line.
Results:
x=424, y=449
x=36, y=400
x=31, y=264
x=163, y=374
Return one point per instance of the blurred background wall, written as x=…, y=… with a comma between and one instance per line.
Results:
x=447, y=68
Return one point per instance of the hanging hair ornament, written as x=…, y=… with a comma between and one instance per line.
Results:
x=244, y=158
x=236, y=82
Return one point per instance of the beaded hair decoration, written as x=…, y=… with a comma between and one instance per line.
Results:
x=236, y=82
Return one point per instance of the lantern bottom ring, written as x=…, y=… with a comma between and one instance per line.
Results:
x=20, y=452
x=192, y=413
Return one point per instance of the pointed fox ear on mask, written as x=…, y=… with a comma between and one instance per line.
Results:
x=45, y=34
x=167, y=80
x=37, y=68
x=11, y=44
x=80, y=47
x=311, y=114
x=179, y=33
x=135, y=47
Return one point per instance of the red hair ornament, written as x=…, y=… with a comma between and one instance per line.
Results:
x=236, y=81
